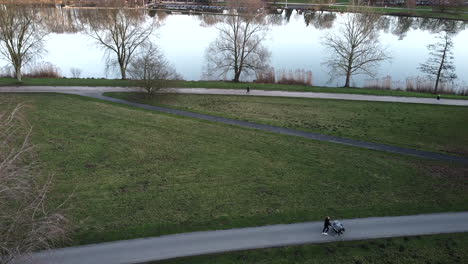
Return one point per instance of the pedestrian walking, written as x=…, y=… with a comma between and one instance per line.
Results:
x=326, y=225
x=248, y=88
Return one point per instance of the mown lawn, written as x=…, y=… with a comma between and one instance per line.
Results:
x=429, y=127
x=135, y=173
x=218, y=85
x=447, y=248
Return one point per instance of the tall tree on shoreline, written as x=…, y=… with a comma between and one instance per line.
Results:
x=120, y=32
x=439, y=65
x=355, y=48
x=239, y=49
x=21, y=36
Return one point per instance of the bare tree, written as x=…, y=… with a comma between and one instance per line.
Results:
x=26, y=224
x=151, y=69
x=120, y=32
x=21, y=36
x=440, y=63
x=238, y=48
x=355, y=49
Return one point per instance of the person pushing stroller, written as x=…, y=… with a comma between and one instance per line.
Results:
x=336, y=225
x=326, y=226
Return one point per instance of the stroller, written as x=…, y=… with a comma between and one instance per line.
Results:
x=338, y=227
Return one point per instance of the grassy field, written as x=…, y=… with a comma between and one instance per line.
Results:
x=429, y=127
x=218, y=84
x=136, y=173
x=450, y=248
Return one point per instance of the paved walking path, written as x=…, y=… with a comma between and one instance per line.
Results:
x=355, y=97
x=199, y=243
x=291, y=132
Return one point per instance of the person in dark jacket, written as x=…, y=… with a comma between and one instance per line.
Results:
x=326, y=225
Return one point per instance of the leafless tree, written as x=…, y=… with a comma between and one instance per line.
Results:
x=239, y=46
x=26, y=224
x=120, y=32
x=151, y=69
x=440, y=63
x=355, y=48
x=21, y=36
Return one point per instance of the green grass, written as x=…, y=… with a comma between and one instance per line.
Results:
x=429, y=127
x=447, y=248
x=135, y=173
x=219, y=85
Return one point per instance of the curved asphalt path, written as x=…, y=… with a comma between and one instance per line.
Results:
x=338, y=96
x=96, y=92
x=199, y=243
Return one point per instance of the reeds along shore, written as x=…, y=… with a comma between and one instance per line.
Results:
x=416, y=84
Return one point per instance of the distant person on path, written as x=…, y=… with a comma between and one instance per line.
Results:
x=326, y=224
x=248, y=88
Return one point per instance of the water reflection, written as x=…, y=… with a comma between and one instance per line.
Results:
x=69, y=20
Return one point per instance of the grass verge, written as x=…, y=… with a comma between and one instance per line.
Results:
x=447, y=248
x=219, y=85
x=136, y=173
x=429, y=127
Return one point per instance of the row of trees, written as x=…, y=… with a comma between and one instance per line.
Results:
x=238, y=50
x=354, y=49
x=122, y=33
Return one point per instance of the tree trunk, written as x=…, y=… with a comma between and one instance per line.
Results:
x=442, y=62
x=18, y=74
x=236, y=76
x=123, y=72
x=348, y=78
x=436, y=84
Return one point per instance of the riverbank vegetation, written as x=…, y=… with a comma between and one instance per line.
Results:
x=447, y=248
x=136, y=173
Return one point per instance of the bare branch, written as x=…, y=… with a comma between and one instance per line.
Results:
x=120, y=32
x=239, y=46
x=355, y=49
x=21, y=35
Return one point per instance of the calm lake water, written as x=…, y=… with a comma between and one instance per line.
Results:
x=293, y=39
